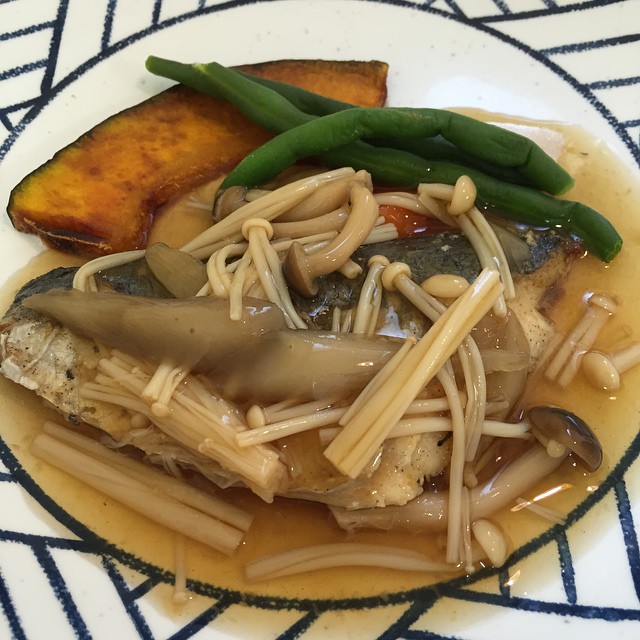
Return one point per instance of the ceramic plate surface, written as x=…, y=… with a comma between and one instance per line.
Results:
x=67, y=64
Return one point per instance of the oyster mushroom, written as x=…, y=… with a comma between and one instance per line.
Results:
x=180, y=273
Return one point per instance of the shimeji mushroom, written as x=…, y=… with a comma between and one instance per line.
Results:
x=563, y=367
x=555, y=426
x=228, y=201
x=301, y=270
x=603, y=370
x=445, y=286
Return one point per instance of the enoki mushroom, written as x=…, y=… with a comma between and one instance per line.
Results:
x=264, y=244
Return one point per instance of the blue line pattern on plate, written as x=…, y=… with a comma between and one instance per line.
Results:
x=630, y=534
x=26, y=87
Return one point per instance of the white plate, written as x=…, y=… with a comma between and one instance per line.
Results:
x=65, y=66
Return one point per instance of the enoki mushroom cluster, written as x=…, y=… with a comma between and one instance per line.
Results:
x=230, y=365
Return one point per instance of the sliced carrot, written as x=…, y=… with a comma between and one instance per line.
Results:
x=409, y=223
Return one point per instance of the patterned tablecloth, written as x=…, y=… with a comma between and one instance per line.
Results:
x=52, y=569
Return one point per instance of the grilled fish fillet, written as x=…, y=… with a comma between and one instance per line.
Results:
x=47, y=358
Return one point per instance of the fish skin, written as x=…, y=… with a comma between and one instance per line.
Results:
x=445, y=252
x=448, y=251
x=133, y=279
x=59, y=278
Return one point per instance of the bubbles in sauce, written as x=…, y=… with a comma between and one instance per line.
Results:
x=602, y=182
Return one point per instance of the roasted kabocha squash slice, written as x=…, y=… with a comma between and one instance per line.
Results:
x=99, y=194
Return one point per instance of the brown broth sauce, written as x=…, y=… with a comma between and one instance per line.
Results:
x=604, y=183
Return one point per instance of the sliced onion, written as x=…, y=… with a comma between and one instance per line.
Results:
x=506, y=356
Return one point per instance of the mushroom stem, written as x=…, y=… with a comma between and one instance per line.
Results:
x=627, y=357
x=332, y=221
x=564, y=365
x=268, y=207
x=258, y=232
x=328, y=197
x=369, y=426
x=462, y=212
x=301, y=269
x=402, y=199
x=397, y=277
x=369, y=301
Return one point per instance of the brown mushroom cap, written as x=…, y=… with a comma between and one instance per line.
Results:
x=569, y=430
x=297, y=271
x=301, y=270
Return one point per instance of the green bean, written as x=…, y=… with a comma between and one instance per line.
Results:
x=345, y=127
x=336, y=140
x=516, y=202
x=431, y=148
x=308, y=102
x=485, y=142
x=428, y=148
x=280, y=117
x=260, y=104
